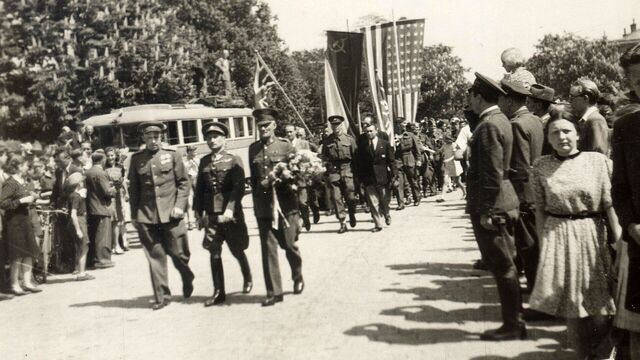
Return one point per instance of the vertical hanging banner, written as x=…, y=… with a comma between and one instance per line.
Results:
x=393, y=51
x=344, y=60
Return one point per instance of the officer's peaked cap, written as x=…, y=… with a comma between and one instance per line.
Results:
x=151, y=126
x=215, y=128
x=335, y=119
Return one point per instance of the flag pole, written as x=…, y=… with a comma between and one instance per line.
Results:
x=400, y=87
x=283, y=92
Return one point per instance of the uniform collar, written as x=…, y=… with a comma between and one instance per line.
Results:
x=487, y=110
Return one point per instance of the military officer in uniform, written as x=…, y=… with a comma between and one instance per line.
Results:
x=275, y=206
x=217, y=204
x=338, y=152
x=528, y=139
x=158, y=193
x=493, y=204
x=408, y=150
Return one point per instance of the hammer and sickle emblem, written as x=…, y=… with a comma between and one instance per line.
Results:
x=338, y=46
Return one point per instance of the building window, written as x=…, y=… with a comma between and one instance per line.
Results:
x=190, y=131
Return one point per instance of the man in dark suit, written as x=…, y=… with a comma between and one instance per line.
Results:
x=377, y=171
x=528, y=138
x=625, y=187
x=63, y=260
x=99, y=195
x=217, y=204
x=592, y=126
x=493, y=204
x=278, y=218
x=158, y=193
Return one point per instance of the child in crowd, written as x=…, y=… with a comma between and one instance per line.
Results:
x=78, y=215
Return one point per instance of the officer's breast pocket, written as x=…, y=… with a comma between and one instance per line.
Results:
x=345, y=151
x=332, y=150
x=166, y=167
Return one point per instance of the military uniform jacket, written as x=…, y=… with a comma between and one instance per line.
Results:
x=489, y=190
x=158, y=182
x=528, y=138
x=262, y=158
x=339, y=153
x=625, y=188
x=219, y=185
x=408, y=149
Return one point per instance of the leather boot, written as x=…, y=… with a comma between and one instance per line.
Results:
x=246, y=273
x=217, y=273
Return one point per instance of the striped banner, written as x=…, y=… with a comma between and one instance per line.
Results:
x=394, y=54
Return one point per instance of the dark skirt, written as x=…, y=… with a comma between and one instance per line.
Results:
x=18, y=234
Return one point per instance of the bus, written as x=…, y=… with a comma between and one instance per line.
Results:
x=184, y=124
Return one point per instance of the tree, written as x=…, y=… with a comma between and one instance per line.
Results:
x=310, y=63
x=559, y=60
x=446, y=91
x=64, y=60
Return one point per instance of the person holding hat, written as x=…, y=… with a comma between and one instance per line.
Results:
x=217, y=204
x=408, y=150
x=625, y=193
x=492, y=202
x=275, y=206
x=528, y=137
x=338, y=151
x=592, y=126
x=158, y=195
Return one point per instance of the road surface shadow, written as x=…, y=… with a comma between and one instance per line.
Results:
x=397, y=336
x=142, y=302
x=235, y=298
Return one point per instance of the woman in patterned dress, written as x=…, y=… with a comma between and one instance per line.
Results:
x=573, y=203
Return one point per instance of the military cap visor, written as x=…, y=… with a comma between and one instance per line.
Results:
x=151, y=126
x=335, y=119
x=514, y=88
x=215, y=128
x=487, y=83
x=265, y=116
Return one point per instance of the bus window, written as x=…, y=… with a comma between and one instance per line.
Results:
x=172, y=133
x=132, y=138
x=249, y=126
x=225, y=121
x=189, y=131
x=239, y=127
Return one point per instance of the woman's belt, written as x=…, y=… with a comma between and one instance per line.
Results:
x=583, y=215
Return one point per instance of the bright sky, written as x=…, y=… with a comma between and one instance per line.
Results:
x=478, y=30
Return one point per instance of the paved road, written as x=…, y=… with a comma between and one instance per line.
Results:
x=407, y=292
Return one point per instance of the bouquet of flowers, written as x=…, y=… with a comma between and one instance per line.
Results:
x=303, y=166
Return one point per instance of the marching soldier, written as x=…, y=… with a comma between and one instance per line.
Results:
x=338, y=151
x=158, y=193
x=217, y=204
x=408, y=151
x=275, y=207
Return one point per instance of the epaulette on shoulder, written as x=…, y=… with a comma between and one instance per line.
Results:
x=140, y=151
x=168, y=149
x=284, y=139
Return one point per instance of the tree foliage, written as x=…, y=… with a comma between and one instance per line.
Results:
x=447, y=86
x=561, y=59
x=63, y=60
